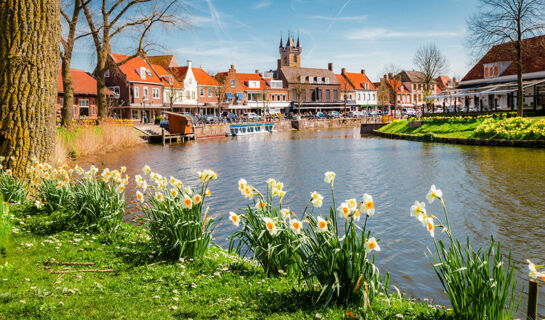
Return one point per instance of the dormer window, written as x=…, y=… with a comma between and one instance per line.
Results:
x=367, y=86
x=310, y=79
x=326, y=80
x=316, y=79
x=143, y=73
x=493, y=70
x=253, y=84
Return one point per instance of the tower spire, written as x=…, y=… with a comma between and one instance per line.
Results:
x=298, y=42
x=281, y=41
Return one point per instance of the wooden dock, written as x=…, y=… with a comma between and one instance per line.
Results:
x=155, y=134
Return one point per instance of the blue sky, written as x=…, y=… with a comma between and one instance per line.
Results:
x=356, y=34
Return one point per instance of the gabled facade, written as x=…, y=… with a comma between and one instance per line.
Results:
x=365, y=90
x=138, y=87
x=419, y=89
x=173, y=90
x=186, y=77
x=393, y=94
x=208, y=91
x=233, y=90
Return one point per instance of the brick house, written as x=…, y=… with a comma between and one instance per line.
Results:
x=234, y=91
x=85, y=95
x=173, y=90
x=137, y=87
x=393, y=94
x=414, y=80
x=208, y=91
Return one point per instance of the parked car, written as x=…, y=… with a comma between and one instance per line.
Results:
x=320, y=115
x=208, y=118
x=409, y=111
x=251, y=116
x=335, y=114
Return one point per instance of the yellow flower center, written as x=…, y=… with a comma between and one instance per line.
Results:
x=372, y=245
x=235, y=218
x=346, y=210
x=430, y=226
x=296, y=225
x=187, y=202
x=270, y=225
x=322, y=224
x=370, y=205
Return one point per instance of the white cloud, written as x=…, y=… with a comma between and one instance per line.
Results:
x=381, y=33
x=348, y=18
x=200, y=20
x=262, y=4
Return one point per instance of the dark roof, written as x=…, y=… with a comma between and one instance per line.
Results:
x=533, y=58
x=412, y=76
x=291, y=74
x=167, y=61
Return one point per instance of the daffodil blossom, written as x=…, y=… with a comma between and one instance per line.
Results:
x=234, y=218
x=369, y=205
x=271, y=183
x=329, y=177
x=187, y=203
x=344, y=210
x=352, y=204
x=371, y=244
x=146, y=169
x=174, y=192
x=321, y=224
x=434, y=193
x=430, y=226
x=296, y=226
x=197, y=198
x=317, y=199
x=159, y=196
x=418, y=209
x=285, y=213
x=260, y=205
x=140, y=196
x=534, y=274
x=271, y=227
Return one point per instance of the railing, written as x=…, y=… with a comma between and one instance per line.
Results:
x=129, y=123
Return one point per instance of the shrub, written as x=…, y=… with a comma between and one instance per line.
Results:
x=512, y=128
x=12, y=189
x=55, y=195
x=342, y=262
x=480, y=284
x=5, y=225
x=272, y=234
x=176, y=220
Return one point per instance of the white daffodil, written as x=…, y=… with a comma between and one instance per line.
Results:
x=174, y=192
x=197, y=198
x=430, y=226
x=285, y=213
x=371, y=244
x=329, y=177
x=357, y=215
x=234, y=218
x=146, y=169
x=140, y=196
x=434, y=193
x=173, y=181
x=271, y=227
x=159, y=196
x=123, y=169
x=38, y=204
x=317, y=199
x=344, y=210
x=9, y=172
x=352, y=204
x=369, y=205
x=187, y=203
x=242, y=183
x=271, y=183
x=534, y=274
x=296, y=226
x=207, y=192
x=418, y=209
x=260, y=205
x=321, y=224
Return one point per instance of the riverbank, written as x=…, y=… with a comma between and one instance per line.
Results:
x=92, y=140
x=130, y=282
x=523, y=132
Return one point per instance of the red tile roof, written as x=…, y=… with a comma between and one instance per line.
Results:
x=165, y=77
x=397, y=85
x=82, y=82
x=533, y=58
x=245, y=77
x=345, y=85
x=443, y=81
x=203, y=78
x=179, y=73
x=132, y=67
x=359, y=80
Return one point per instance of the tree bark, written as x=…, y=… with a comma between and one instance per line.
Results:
x=67, y=111
x=29, y=66
x=101, y=85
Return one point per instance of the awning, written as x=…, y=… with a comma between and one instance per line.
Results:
x=229, y=95
x=240, y=96
x=496, y=88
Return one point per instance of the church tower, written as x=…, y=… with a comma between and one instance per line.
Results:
x=290, y=55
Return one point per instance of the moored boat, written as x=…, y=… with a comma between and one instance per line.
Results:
x=248, y=129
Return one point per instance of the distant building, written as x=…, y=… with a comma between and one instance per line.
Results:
x=393, y=94
x=233, y=91
x=138, y=88
x=85, y=95
x=365, y=91
x=492, y=83
x=415, y=82
x=309, y=89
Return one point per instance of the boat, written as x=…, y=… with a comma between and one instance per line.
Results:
x=248, y=129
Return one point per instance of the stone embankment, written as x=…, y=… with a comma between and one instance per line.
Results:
x=218, y=130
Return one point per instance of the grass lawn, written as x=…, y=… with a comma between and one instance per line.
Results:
x=220, y=286
x=462, y=129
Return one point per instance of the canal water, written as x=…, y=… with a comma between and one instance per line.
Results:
x=495, y=191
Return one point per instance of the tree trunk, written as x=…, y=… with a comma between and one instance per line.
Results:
x=67, y=111
x=101, y=86
x=520, y=90
x=29, y=66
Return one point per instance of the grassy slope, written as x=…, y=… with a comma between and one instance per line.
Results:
x=439, y=128
x=218, y=287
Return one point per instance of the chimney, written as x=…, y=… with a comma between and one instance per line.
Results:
x=385, y=78
x=390, y=76
x=256, y=71
x=362, y=71
x=343, y=71
x=278, y=64
x=330, y=66
x=232, y=68
x=189, y=63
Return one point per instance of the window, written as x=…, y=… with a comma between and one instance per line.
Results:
x=327, y=95
x=295, y=59
x=277, y=84
x=75, y=111
x=107, y=74
x=286, y=60
x=193, y=95
x=326, y=80
x=145, y=93
x=202, y=92
x=143, y=73
x=232, y=83
x=367, y=86
x=253, y=84
x=310, y=79
x=115, y=90
x=61, y=101
x=209, y=92
x=83, y=107
x=136, y=92
x=155, y=93
x=284, y=97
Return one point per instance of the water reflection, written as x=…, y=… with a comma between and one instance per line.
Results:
x=489, y=190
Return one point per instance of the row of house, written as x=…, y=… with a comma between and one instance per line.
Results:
x=145, y=86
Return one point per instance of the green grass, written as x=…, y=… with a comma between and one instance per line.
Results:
x=220, y=286
x=462, y=129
